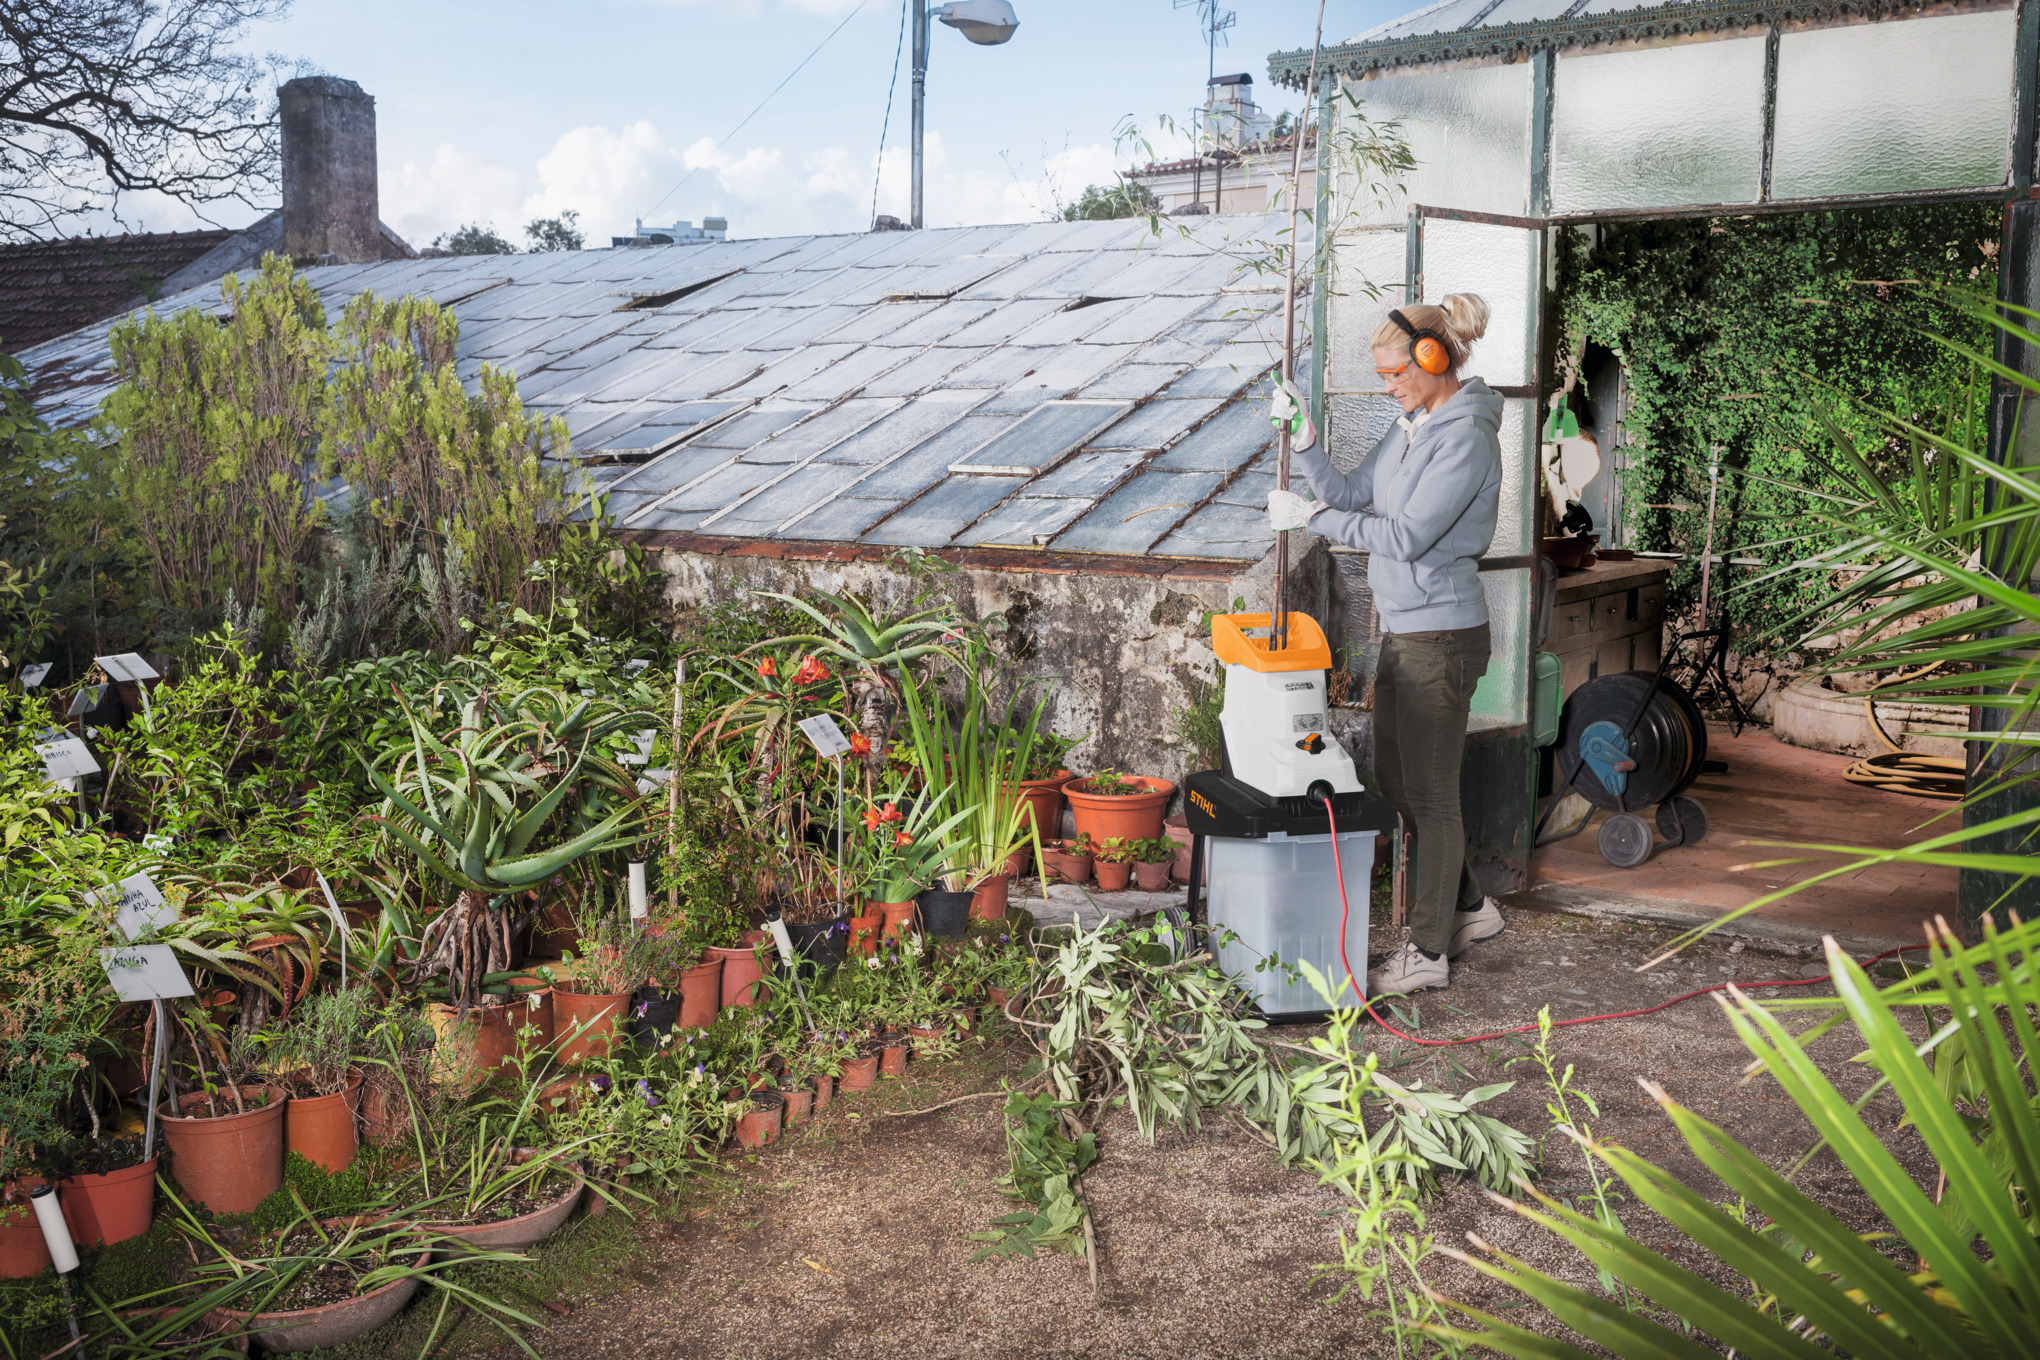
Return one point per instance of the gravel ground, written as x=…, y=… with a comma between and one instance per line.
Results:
x=848, y=1238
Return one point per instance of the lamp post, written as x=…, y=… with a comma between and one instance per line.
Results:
x=985, y=22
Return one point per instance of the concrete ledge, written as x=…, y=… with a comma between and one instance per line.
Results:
x=1767, y=931
x=1812, y=716
x=1069, y=904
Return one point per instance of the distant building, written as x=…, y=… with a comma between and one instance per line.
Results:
x=1241, y=162
x=329, y=216
x=679, y=234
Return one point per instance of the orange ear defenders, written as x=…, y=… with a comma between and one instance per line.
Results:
x=1427, y=347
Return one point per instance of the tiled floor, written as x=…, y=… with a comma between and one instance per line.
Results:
x=1771, y=792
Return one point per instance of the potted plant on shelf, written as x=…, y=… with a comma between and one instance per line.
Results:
x=902, y=850
x=226, y=1137
x=1041, y=781
x=316, y=1056
x=708, y=866
x=1109, y=804
x=592, y=988
x=1153, y=859
x=1071, y=861
x=1114, y=864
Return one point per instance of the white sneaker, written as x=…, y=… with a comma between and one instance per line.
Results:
x=1407, y=970
x=1471, y=927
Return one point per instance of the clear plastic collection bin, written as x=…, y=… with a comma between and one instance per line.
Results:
x=1281, y=897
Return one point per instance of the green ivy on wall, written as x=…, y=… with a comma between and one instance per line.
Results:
x=1718, y=323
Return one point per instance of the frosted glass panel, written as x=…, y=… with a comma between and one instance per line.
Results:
x=1659, y=127
x=1502, y=265
x=1358, y=423
x=1501, y=699
x=1883, y=108
x=1518, y=517
x=1367, y=282
x=1469, y=131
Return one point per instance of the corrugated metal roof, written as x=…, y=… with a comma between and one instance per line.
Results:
x=823, y=388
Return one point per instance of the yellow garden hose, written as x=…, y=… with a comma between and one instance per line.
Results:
x=1897, y=770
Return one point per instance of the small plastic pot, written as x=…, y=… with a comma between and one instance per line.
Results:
x=825, y=1091
x=741, y=973
x=945, y=914
x=230, y=1162
x=1112, y=877
x=110, y=1207
x=586, y=1022
x=859, y=1073
x=899, y=917
x=321, y=1128
x=864, y=934
x=923, y=1034
x=988, y=902
x=759, y=1127
x=800, y=1103
x=1153, y=877
x=23, y=1252
x=1067, y=867
x=653, y=1013
x=892, y=1062
x=701, y=994
x=996, y=998
x=819, y=944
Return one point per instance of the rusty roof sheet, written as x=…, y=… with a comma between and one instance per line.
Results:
x=836, y=388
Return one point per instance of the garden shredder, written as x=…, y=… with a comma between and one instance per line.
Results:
x=1266, y=824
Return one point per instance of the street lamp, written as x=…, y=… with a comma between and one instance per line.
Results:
x=985, y=22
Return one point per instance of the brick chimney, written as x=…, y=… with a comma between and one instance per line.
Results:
x=331, y=213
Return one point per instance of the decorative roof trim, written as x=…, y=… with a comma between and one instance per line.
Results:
x=1515, y=42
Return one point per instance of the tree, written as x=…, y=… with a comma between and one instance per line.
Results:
x=555, y=233
x=1101, y=202
x=104, y=98
x=473, y=239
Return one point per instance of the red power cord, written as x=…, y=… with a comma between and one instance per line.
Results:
x=1367, y=1005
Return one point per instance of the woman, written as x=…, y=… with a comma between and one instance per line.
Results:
x=1423, y=504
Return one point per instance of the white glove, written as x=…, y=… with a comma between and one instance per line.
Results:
x=1287, y=510
x=1288, y=408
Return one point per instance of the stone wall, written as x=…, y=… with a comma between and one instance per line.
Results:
x=1123, y=639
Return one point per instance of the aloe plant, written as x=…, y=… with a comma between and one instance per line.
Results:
x=471, y=806
x=1819, y=1286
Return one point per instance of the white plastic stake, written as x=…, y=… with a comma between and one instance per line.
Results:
x=49, y=1215
x=638, y=910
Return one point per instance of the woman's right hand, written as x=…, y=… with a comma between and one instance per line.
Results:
x=1287, y=510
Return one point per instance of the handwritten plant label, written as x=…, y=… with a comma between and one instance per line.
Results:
x=645, y=738
x=144, y=972
x=64, y=756
x=827, y=737
x=138, y=905
x=31, y=676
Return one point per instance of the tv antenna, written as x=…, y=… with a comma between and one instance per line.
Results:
x=1214, y=22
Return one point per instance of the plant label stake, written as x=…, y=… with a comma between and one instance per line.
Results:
x=66, y=761
x=130, y=666
x=57, y=1237
x=638, y=911
x=32, y=675
x=833, y=745
x=141, y=910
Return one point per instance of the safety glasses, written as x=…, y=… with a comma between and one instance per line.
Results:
x=1395, y=372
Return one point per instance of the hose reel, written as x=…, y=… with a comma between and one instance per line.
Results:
x=1629, y=741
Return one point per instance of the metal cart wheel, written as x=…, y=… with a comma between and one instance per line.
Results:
x=1682, y=820
x=1625, y=840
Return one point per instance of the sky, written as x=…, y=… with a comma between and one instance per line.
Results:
x=519, y=109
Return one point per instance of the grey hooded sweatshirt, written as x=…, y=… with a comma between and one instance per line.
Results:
x=1423, y=504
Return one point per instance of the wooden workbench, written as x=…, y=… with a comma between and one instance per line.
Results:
x=1608, y=618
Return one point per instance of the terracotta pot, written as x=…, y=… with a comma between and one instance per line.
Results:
x=996, y=998
x=892, y=1062
x=1177, y=829
x=899, y=917
x=1153, y=877
x=701, y=993
x=386, y=1116
x=825, y=1091
x=321, y=1128
x=741, y=971
x=759, y=1127
x=309, y=1329
x=472, y=1047
x=586, y=1022
x=515, y=1234
x=552, y=933
x=1135, y=816
x=532, y=1000
x=22, y=1250
x=231, y=1162
x=1112, y=877
x=1066, y=867
x=924, y=1034
x=800, y=1103
x=1044, y=799
x=859, y=1073
x=864, y=933
x=988, y=903
x=110, y=1207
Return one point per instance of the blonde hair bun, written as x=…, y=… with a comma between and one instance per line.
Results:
x=1468, y=313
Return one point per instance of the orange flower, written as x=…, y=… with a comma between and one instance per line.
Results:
x=811, y=670
x=860, y=745
x=871, y=819
x=768, y=668
x=891, y=813
x=902, y=838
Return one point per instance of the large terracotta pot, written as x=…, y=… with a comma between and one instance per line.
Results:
x=332, y=1324
x=532, y=1001
x=231, y=1162
x=701, y=993
x=110, y=1207
x=741, y=972
x=899, y=917
x=586, y=1022
x=472, y=1047
x=988, y=902
x=321, y=1128
x=1045, y=804
x=22, y=1250
x=1136, y=816
x=515, y=1234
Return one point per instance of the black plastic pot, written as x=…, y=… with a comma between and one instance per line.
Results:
x=653, y=1012
x=819, y=946
x=945, y=913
